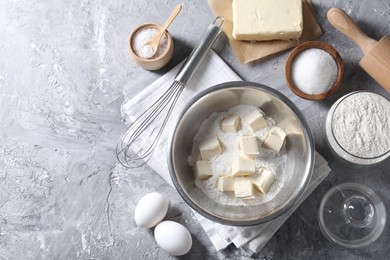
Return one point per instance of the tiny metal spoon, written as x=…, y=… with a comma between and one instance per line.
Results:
x=150, y=47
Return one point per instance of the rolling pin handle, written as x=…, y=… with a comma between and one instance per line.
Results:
x=342, y=22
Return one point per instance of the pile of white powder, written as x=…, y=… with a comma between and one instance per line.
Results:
x=146, y=51
x=314, y=71
x=361, y=125
x=276, y=162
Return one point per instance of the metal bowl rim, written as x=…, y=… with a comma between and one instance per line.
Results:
x=307, y=132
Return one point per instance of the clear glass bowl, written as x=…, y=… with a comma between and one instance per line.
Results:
x=352, y=215
x=337, y=146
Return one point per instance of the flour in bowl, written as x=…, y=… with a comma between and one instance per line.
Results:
x=221, y=164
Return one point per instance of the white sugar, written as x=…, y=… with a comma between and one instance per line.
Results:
x=314, y=71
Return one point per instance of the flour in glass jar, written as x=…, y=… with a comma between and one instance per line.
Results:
x=361, y=125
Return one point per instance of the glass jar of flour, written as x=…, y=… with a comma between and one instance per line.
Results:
x=358, y=128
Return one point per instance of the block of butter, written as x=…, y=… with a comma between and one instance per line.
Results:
x=264, y=181
x=225, y=183
x=243, y=166
x=230, y=124
x=210, y=147
x=243, y=189
x=256, y=120
x=275, y=139
x=248, y=146
x=203, y=170
x=264, y=20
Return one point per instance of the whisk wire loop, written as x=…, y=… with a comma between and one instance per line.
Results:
x=134, y=150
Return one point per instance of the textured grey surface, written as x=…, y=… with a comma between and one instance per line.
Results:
x=65, y=71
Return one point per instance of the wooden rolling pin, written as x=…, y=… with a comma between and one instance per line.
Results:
x=376, y=60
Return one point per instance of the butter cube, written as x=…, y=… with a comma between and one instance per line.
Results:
x=210, y=147
x=225, y=183
x=264, y=20
x=230, y=124
x=275, y=139
x=256, y=120
x=243, y=189
x=243, y=166
x=203, y=170
x=248, y=146
x=264, y=181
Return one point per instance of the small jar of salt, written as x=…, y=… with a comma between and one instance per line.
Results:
x=143, y=50
x=314, y=70
x=143, y=54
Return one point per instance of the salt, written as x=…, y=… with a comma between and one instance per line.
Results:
x=146, y=51
x=314, y=71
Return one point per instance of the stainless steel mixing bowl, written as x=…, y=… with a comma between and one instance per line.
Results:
x=299, y=149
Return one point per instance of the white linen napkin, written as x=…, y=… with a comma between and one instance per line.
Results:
x=214, y=71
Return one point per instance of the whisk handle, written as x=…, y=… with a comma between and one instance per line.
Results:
x=200, y=51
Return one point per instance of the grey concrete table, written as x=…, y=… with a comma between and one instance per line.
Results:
x=63, y=68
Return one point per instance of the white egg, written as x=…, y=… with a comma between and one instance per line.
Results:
x=150, y=210
x=173, y=237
